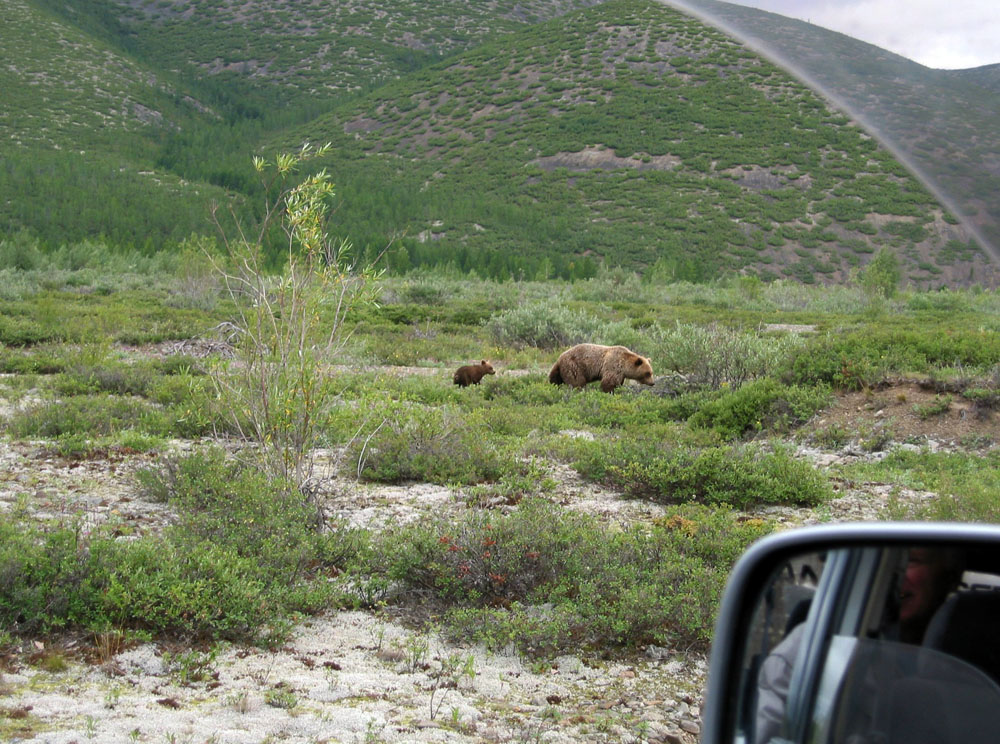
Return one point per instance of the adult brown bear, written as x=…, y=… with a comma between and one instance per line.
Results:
x=612, y=365
x=471, y=374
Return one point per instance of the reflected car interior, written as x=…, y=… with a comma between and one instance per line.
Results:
x=828, y=657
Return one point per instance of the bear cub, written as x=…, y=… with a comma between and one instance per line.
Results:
x=612, y=365
x=471, y=374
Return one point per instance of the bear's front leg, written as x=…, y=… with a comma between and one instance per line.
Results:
x=611, y=380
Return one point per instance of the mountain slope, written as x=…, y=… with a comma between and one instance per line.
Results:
x=635, y=134
x=944, y=122
x=64, y=88
x=624, y=132
x=127, y=120
x=293, y=50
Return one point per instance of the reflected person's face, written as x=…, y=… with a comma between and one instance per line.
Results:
x=923, y=587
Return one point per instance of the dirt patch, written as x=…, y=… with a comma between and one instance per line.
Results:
x=591, y=158
x=354, y=677
x=909, y=412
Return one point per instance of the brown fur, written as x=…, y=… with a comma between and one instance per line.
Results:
x=612, y=365
x=471, y=374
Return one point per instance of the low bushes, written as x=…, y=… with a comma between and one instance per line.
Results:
x=245, y=555
x=192, y=413
x=716, y=356
x=432, y=446
x=550, y=324
x=741, y=476
x=52, y=579
x=567, y=581
x=849, y=362
x=248, y=553
x=92, y=415
x=762, y=405
x=860, y=359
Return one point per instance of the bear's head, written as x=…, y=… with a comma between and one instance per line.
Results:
x=639, y=369
x=486, y=367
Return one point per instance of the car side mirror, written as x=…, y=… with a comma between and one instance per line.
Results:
x=860, y=632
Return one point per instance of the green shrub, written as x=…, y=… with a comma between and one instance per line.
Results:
x=90, y=415
x=198, y=412
x=131, y=440
x=524, y=391
x=984, y=399
x=938, y=407
x=116, y=378
x=21, y=253
x=20, y=331
x=856, y=359
x=742, y=476
x=429, y=446
x=75, y=446
x=426, y=291
x=179, y=389
x=550, y=324
x=179, y=364
x=716, y=356
x=833, y=436
x=40, y=360
x=846, y=362
x=881, y=277
x=226, y=502
x=48, y=580
x=762, y=405
x=212, y=591
x=908, y=230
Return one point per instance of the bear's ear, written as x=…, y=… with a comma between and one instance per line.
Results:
x=483, y=361
x=638, y=361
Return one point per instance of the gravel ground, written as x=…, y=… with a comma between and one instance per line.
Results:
x=353, y=677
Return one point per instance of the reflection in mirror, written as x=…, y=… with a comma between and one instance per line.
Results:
x=897, y=692
x=773, y=645
x=844, y=643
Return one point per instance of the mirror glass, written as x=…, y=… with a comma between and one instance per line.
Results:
x=875, y=643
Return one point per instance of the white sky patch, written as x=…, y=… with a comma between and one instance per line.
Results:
x=944, y=35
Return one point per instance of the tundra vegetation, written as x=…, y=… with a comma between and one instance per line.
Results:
x=743, y=367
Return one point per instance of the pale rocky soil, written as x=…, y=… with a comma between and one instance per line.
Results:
x=362, y=677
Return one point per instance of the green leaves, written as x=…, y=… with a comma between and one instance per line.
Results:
x=291, y=324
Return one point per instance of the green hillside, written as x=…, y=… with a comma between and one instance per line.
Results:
x=83, y=123
x=62, y=86
x=636, y=135
x=128, y=120
x=292, y=52
x=472, y=136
